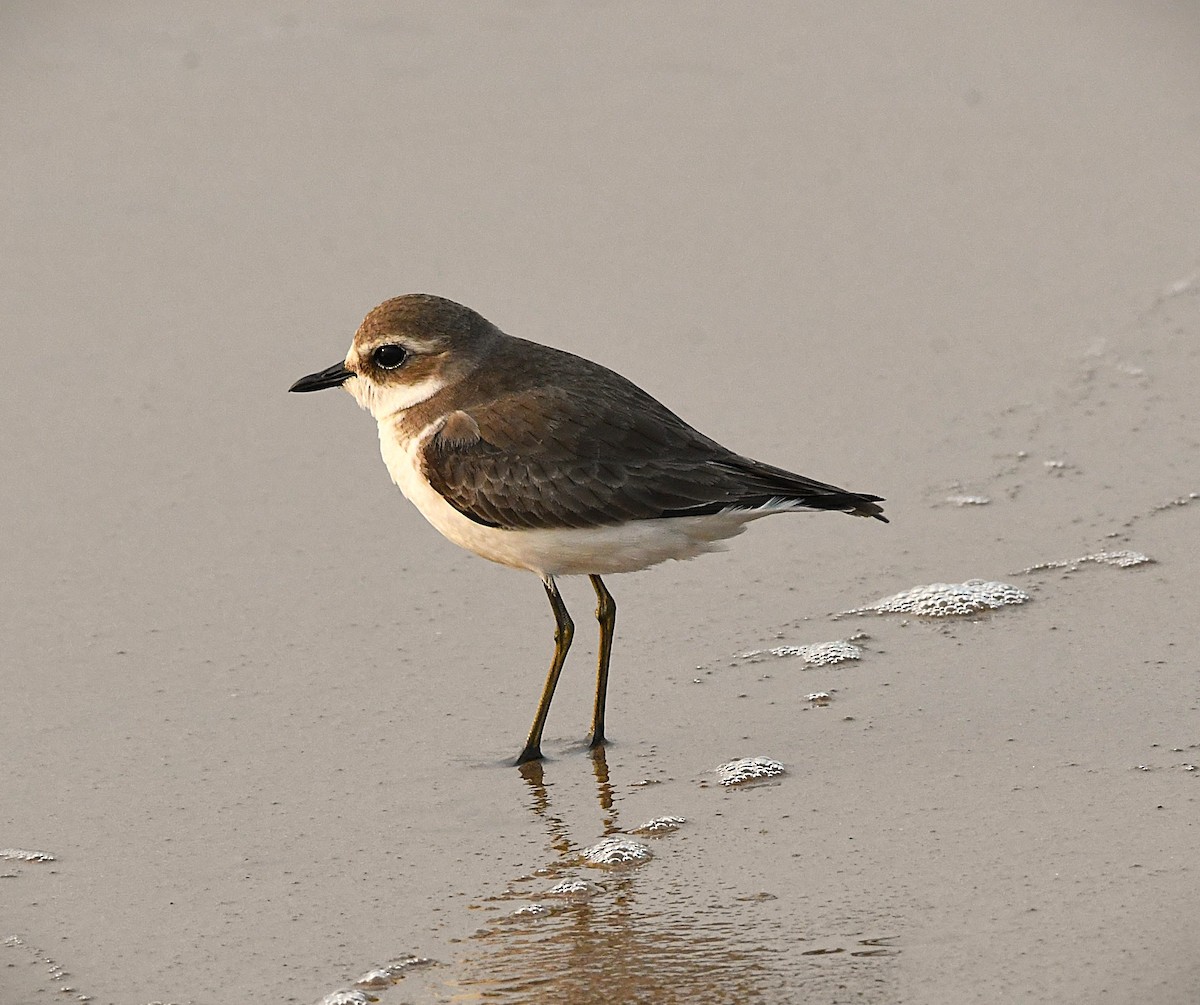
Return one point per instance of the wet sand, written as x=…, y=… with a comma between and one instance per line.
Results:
x=263, y=717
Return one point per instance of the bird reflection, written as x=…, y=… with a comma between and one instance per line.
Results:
x=630, y=934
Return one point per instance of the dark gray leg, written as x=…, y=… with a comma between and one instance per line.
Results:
x=564, y=629
x=606, y=614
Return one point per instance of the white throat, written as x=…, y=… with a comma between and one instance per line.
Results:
x=384, y=402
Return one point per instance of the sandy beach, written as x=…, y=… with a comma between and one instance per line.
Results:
x=258, y=718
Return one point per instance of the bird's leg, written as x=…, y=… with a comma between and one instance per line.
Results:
x=564, y=629
x=606, y=614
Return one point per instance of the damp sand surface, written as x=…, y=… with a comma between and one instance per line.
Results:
x=258, y=719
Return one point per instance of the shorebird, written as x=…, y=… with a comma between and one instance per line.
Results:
x=541, y=460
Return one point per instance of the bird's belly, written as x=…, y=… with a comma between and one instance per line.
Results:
x=566, y=551
x=625, y=547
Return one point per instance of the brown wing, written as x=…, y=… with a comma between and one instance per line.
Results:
x=552, y=457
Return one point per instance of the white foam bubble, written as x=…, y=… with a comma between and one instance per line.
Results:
x=347, y=996
x=617, y=849
x=943, y=600
x=390, y=973
x=815, y=654
x=661, y=825
x=823, y=653
x=22, y=855
x=1122, y=559
x=748, y=769
x=574, y=887
x=375, y=979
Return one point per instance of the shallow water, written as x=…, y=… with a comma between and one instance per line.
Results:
x=666, y=929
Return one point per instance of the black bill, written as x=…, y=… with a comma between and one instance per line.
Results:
x=334, y=376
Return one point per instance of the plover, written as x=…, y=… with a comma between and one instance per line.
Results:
x=541, y=460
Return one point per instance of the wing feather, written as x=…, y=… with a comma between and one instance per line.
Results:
x=553, y=457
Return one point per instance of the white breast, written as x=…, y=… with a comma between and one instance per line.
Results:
x=626, y=547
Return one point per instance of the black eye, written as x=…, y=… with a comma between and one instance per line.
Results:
x=388, y=357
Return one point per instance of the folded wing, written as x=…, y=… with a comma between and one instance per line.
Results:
x=548, y=458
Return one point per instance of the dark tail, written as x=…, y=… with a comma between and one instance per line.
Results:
x=755, y=485
x=853, y=503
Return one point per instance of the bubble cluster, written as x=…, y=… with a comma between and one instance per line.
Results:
x=968, y=500
x=1186, y=500
x=55, y=971
x=21, y=855
x=1123, y=559
x=347, y=996
x=616, y=849
x=748, y=769
x=375, y=979
x=574, y=887
x=944, y=600
x=822, y=654
x=389, y=974
x=817, y=654
x=661, y=825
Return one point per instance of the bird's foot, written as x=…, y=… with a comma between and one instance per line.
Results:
x=532, y=752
